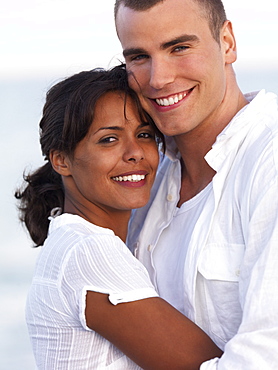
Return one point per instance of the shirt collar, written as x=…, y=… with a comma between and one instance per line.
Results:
x=171, y=151
x=233, y=133
x=67, y=218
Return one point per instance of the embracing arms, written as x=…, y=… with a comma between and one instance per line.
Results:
x=151, y=332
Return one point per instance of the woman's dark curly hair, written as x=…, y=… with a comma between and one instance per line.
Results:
x=67, y=117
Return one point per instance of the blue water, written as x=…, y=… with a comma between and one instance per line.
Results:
x=20, y=109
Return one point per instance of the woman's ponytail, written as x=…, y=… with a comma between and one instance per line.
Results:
x=43, y=192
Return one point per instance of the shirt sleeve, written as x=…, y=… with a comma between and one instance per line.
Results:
x=103, y=263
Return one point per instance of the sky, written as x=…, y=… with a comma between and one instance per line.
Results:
x=65, y=36
x=46, y=36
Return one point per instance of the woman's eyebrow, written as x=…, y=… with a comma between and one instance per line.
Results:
x=119, y=128
x=113, y=128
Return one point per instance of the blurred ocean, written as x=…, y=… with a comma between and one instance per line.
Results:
x=21, y=103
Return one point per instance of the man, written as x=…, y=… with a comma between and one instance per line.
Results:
x=210, y=233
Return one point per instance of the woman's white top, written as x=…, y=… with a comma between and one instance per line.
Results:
x=77, y=257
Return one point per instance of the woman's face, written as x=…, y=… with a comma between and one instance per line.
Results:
x=114, y=166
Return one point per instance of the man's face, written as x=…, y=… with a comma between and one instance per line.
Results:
x=177, y=67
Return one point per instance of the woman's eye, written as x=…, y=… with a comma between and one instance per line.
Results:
x=146, y=135
x=107, y=140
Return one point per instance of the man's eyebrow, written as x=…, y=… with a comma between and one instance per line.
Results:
x=179, y=40
x=165, y=45
x=133, y=51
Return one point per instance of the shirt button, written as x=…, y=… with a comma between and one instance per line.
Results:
x=150, y=247
x=170, y=197
x=237, y=273
x=135, y=249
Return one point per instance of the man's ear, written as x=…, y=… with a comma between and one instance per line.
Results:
x=60, y=162
x=228, y=43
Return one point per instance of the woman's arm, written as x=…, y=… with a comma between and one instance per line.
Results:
x=150, y=332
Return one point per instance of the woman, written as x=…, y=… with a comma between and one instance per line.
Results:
x=91, y=301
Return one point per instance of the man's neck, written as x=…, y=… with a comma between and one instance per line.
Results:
x=194, y=145
x=194, y=181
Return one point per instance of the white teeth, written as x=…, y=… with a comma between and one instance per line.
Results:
x=171, y=101
x=132, y=178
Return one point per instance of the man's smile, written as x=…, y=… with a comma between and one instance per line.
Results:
x=172, y=99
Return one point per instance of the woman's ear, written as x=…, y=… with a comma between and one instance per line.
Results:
x=60, y=162
x=228, y=43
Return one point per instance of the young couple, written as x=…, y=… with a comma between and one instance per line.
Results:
x=209, y=234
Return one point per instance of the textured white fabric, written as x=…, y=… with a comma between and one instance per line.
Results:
x=171, y=256
x=230, y=280
x=77, y=257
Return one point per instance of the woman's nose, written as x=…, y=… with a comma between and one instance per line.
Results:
x=133, y=153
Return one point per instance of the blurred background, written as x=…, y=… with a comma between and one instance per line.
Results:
x=41, y=42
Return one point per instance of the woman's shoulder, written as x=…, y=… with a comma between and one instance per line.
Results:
x=75, y=224
x=72, y=237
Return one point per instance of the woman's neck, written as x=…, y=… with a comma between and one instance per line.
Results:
x=115, y=220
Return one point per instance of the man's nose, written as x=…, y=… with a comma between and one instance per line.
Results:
x=161, y=73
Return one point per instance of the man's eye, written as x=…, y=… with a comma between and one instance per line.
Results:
x=181, y=48
x=139, y=57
